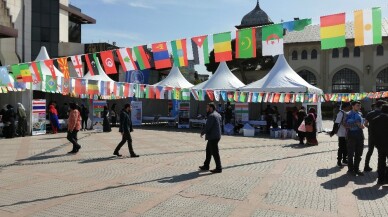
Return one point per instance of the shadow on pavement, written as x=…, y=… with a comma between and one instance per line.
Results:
x=371, y=193
x=297, y=146
x=328, y=172
x=183, y=177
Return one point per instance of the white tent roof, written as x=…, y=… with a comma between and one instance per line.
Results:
x=43, y=55
x=174, y=79
x=282, y=78
x=101, y=74
x=223, y=79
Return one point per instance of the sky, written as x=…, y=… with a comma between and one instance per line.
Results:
x=137, y=22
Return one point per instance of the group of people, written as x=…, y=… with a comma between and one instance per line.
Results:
x=349, y=125
x=54, y=116
x=109, y=118
x=306, y=125
x=9, y=117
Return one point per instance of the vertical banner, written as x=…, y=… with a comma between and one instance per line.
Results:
x=184, y=115
x=136, y=114
x=38, y=117
x=241, y=112
x=98, y=108
x=175, y=108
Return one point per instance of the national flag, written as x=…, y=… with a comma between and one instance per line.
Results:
x=327, y=97
x=260, y=97
x=91, y=62
x=103, y=88
x=77, y=63
x=66, y=85
x=272, y=40
x=276, y=98
x=150, y=93
x=62, y=62
x=50, y=66
x=177, y=94
x=108, y=62
x=222, y=47
x=201, y=95
x=210, y=94
x=367, y=27
x=108, y=88
x=93, y=87
x=120, y=87
x=255, y=97
x=230, y=96
x=292, y=98
x=126, y=59
x=4, y=76
x=185, y=94
x=200, y=47
x=37, y=72
x=16, y=73
x=179, y=52
x=224, y=95
x=246, y=43
x=266, y=97
x=141, y=57
x=80, y=86
x=250, y=95
x=287, y=98
x=236, y=96
x=127, y=89
x=333, y=31
x=217, y=95
x=195, y=94
x=51, y=84
x=161, y=55
x=159, y=92
x=25, y=72
x=271, y=97
x=282, y=98
x=296, y=25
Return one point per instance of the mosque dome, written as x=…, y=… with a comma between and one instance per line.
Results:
x=257, y=17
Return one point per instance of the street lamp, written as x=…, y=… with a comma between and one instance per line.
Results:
x=368, y=67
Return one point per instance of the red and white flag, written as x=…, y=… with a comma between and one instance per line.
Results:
x=108, y=62
x=77, y=63
x=50, y=66
x=126, y=59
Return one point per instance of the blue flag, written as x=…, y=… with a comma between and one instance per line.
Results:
x=4, y=76
x=224, y=95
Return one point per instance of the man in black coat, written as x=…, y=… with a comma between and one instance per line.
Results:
x=212, y=132
x=379, y=132
x=125, y=130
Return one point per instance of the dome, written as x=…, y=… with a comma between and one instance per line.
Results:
x=256, y=17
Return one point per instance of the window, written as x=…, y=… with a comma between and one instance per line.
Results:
x=357, y=52
x=308, y=76
x=335, y=53
x=382, y=80
x=294, y=55
x=380, y=50
x=345, y=52
x=314, y=54
x=304, y=55
x=346, y=81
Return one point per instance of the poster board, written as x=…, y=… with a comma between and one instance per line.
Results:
x=184, y=115
x=241, y=111
x=38, y=117
x=137, y=113
x=98, y=108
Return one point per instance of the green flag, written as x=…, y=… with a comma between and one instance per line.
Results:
x=246, y=43
x=51, y=84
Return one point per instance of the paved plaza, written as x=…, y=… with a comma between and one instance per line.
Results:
x=261, y=177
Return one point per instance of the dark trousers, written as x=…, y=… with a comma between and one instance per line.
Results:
x=85, y=123
x=212, y=150
x=114, y=120
x=342, y=149
x=72, y=137
x=382, y=165
x=22, y=126
x=371, y=147
x=301, y=136
x=355, y=148
x=126, y=138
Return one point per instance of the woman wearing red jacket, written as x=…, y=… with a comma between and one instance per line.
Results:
x=53, y=114
x=73, y=126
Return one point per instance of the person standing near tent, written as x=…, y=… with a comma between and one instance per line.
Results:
x=53, y=114
x=340, y=129
x=311, y=127
x=125, y=129
x=212, y=131
x=22, y=120
x=73, y=126
x=106, y=123
x=228, y=113
x=85, y=117
x=9, y=122
x=301, y=115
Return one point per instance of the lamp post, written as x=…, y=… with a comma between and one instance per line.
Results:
x=368, y=67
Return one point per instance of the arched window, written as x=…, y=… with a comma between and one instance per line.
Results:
x=345, y=52
x=346, y=81
x=335, y=53
x=314, y=54
x=380, y=50
x=357, y=52
x=382, y=80
x=294, y=55
x=308, y=76
x=304, y=55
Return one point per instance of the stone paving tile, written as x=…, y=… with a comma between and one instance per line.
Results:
x=107, y=171
x=182, y=207
x=372, y=201
x=8, y=178
x=272, y=213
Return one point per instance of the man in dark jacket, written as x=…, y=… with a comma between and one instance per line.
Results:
x=212, y=132
x=379, y=131
x=125, y=129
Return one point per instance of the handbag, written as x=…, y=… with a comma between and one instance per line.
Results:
x=302, y=127
x=309, y=128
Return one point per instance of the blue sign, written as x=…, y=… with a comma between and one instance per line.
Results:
x=137, y=76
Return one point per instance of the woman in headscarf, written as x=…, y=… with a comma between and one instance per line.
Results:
x=22, y=120
x=311, y=127
x=9, y=122
x=53, y=113
x=106, y=123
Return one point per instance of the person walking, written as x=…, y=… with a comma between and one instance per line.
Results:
x=212, y=132
x=85, y=117
x=125, y=129
x=22, y=120
x=73, y=126
x=340, y=129
x=53, y=114
x=379, y=130
x=354, y=122
x=371, y=146
x=301, y=115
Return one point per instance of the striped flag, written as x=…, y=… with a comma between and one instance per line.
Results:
x=367, y=27
x=333, y=31
x=222, y=47
x=200, y=47
x=179, y=52
x=142, y=57
x=161, y=55
x=185, y=94
x=224, y=95
x=210, y=94
x=37, y=72
x=217, y=95
x=195, y=94
x=93, y=87
x=126, y=59
x=158, y=92
x=230, y=96
x=38, y=106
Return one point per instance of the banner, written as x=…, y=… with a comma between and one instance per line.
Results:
x=98, y=108
x=38, y=117
x=136, y=114
x=184, y=115
x=241, y=112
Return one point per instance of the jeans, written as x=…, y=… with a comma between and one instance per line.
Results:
x=72, y=137
x=212, y=150
x=342, y=149
x=355, y=148
x=126, y=138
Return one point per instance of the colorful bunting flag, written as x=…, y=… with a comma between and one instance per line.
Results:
x=185, y=94
x=272, y=40
x=150, y=94
x=161, y=55
x=80, y=86
x=126, y=59
x=66, y=85
x=333, y=31
x=51, y=84
x=93, y=87
x=91, y=62
x=296, y=25
x=200, y=47
x=276, y=98
x=224, y=95
x=222, y=47
x=16, y=72
x=177, y=94
x=62, y=62
x=25, y=72
x=236, y=96
x=246, y=43
x=158, y=92
x=217, y=95
x=179, y=52
x=255, y=97
x=210, y=94
x=141, y=57
x=108, y=62
x=4, y=76
x=78, y=66
x=367, y=27
x=287, y=98
x=242, y=97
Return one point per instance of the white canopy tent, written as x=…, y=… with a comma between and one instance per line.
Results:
x=223, y=79
x=282, y=78
x=101, y=74
x=175, y=79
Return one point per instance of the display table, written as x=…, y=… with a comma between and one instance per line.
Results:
x=197, y=122
x=171, y=121
x=258, y=123
x=150, y=119
x=62, y=124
